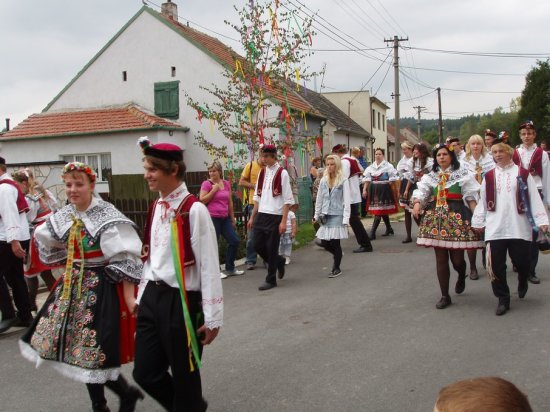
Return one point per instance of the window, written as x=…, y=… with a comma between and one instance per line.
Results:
x=173, y=71
x=378, y=116
x=101, y=163
x=373, y=118
x=167, y=102
x=384, y=122
x=124, y=76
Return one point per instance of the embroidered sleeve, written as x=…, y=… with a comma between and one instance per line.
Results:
x=480, y=213
x=470, y=188
x=205, y=249
x=423, y=190
x=121, y=247
x=50, y=250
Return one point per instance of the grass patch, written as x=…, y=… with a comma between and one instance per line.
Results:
x=306, y=233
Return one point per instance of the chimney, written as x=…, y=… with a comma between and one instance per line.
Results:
x=7, y=125
x=170, y=10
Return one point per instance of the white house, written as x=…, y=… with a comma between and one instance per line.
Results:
x=134, y=86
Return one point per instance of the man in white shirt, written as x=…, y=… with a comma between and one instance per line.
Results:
x=502, y=214
x=14, y=242
x=535, y=160
x=272, y=200
x=180, y=297
x=352, y=171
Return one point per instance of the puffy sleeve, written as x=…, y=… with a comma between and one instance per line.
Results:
x=392, y=172
x=50, y=250
x=480, y=213
x=121, y=248
x=205, y=249
x=423, y=191
x=409, y=173
x=367, y=177
x=470, y=188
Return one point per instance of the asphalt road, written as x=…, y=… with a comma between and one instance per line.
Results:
x=369, y=340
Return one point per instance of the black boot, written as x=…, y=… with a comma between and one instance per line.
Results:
x=128, y=394
x=375, y=224
x=389, y=230
x=97, y=395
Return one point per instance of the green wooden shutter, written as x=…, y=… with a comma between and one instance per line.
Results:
x=167, y=100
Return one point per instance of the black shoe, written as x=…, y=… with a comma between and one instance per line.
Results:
x=502, y=308
x=335, y=273
x=266, y=286
x=281, y=269
x=534, y=279
x=363, y=249
x=522, y=290
x=8, y=323
x=129, y=400
x=408, y=240
x=389, y=232
x=460, y=285
x=443, y=302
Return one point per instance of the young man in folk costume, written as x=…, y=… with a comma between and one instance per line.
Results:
x=248, y=180
x=535, y=160
x=14, y=241
x=180, y=298
x=272, y=201
x=509, y=206
x=352, y=171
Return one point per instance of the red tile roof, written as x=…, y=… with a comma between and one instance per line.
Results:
x=225, y=55
x=82, y=122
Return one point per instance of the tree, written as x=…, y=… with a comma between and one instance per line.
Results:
x=535, y=99
x=275, y=43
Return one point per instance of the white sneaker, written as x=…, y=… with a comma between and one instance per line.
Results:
x=223, y=275
x=236, y=272
x=287, y=260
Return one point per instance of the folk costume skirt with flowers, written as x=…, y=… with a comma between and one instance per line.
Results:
x=381, y=199
x=448, y=226
x=86, y=336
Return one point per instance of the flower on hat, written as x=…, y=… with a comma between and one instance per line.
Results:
x=80, y=167
x=144, y=143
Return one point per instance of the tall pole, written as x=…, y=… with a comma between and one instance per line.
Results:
x=419, y=109
x=440, y=115
x=396, y=41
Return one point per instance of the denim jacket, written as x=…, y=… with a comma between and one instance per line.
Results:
x=333, y=202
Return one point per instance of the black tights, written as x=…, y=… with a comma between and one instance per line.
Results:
x=408, y=223
x=97, y=392
x=443, y=270
x=334, y=247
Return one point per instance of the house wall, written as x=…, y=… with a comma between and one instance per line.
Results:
x=147, y=50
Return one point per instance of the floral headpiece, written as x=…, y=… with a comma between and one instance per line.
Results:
x=527, y=125
x=144, y=143
x=489, y=132
x=80, y=167
x=447, y=146
x=502, y=138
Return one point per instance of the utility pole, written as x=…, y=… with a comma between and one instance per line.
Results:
x=440, y=115
x=419, y=109
x=396, y=41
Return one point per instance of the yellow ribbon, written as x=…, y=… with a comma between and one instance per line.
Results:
x=441, y=194
x=75, y=235
x=297, y=80
x=238, y=67
x=305, y=121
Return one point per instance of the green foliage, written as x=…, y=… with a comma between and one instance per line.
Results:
x=275, y=44
x=535, y=99
x=305, y=234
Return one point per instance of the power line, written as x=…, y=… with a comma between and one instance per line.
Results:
x=371, y=19
x=391, y=17
x=483, y=54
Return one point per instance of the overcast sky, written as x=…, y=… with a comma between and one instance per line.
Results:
x=45, y=43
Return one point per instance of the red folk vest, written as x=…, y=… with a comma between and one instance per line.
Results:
x=490, y=193
x=276, y=186
x=183, y=211
x=535, y=165
x=22, y=205
x=354, y=166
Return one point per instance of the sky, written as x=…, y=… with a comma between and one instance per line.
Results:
x=44, y=44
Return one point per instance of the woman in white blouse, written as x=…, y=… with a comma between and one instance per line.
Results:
x=479, y=161
x=448, y=196
x=377, y=189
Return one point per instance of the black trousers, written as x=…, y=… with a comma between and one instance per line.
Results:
x=11, y=273
x=519, y=253
x=266, y=243
x=161, y=343
x=357, y=227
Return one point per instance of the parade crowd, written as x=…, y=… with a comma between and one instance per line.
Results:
x=158, y=300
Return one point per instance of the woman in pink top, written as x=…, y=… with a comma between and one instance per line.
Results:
x=216, y=195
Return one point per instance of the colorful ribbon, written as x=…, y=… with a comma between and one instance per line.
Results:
x=441, y=191
x=75, y=236
x=176, y=240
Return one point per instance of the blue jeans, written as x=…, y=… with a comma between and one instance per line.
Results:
x=251, y=254
x=224, y=228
